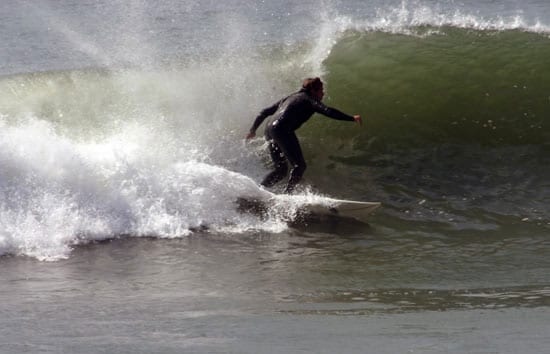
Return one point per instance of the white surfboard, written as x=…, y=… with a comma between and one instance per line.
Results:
x=316, y=206
x=342, y=208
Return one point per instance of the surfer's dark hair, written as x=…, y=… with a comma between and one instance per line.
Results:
x=312, y=84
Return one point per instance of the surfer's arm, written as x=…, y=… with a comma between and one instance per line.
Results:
x=261, y=117
x=333, y=112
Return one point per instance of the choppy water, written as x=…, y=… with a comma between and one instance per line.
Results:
x=121, y=130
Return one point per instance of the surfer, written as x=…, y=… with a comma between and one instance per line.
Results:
x=289, y=114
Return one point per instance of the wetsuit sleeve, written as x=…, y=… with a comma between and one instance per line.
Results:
x=330, y=112
x=263, y=115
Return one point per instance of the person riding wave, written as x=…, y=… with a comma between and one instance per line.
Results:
x=287, y=115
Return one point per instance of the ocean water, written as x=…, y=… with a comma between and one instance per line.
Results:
x=122, y=155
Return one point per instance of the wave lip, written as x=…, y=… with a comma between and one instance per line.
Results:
x=408, y=15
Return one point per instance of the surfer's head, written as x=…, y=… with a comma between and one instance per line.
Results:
x=314, y=86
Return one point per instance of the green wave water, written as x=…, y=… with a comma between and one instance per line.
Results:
x=456, y=126
x=445, y=85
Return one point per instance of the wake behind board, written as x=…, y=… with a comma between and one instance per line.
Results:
x=318, y=206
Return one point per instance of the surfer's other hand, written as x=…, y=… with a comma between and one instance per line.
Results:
x=250, y=135
x=358, y=119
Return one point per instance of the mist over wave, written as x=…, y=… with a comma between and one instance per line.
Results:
x=90, y=155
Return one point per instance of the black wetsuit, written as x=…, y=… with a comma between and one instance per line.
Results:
x=288, y=115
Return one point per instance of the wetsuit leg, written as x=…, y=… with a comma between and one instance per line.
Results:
x=290, y=146
x=279, y=162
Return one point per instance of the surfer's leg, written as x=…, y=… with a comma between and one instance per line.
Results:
x=293, y=153
x=279, y=162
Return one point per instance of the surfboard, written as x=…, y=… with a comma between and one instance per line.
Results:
x=343, y=208
x=318, y=206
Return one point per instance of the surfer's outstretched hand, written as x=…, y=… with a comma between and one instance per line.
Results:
x=250, y=135
x=358, y=119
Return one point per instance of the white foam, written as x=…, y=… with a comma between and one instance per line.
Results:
x=56, y=192
x=409, y=15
